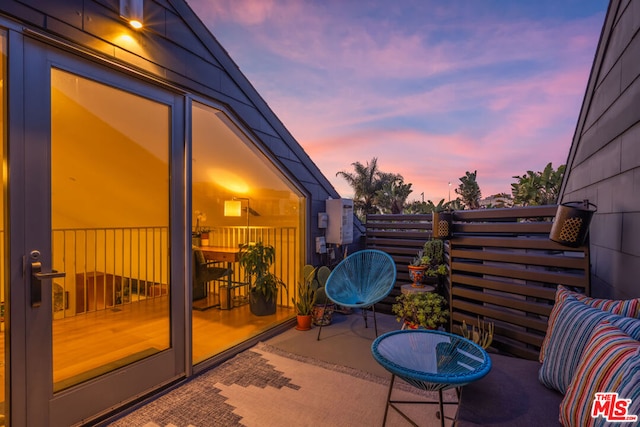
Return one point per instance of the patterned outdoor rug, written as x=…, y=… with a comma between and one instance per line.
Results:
x=265, y=386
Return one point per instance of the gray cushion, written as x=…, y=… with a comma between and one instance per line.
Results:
x=510, y=395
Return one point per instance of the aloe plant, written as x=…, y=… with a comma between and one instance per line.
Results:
x=306, y=292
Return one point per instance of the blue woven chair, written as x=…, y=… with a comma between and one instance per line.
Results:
x=361, y=280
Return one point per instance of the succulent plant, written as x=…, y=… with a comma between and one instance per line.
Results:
x=426, y=309
x=482, y=335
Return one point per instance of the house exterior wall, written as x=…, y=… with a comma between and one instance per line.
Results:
x=604, y=160
x=176, y=48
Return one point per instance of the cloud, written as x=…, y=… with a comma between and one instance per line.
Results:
x=431, y=89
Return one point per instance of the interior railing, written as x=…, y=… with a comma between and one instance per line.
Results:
x=107, y=267
x=288, y=252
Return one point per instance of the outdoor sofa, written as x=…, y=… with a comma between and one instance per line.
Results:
x=592, y=345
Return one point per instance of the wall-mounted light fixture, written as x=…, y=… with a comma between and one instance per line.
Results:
x=133, y=12
x=571, y=223
x=442, y=225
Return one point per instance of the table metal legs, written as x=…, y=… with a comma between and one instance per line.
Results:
x=392, y=403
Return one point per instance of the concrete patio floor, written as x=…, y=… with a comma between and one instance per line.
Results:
x=345, y=342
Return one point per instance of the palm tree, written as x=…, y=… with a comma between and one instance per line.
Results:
x=500, y=200
x=550, y=182
x=525, y=191
x=365, y=181
x=455, y=205
x=416, y=207
x=538, y=188
x=393, y=195
x=432, y=207
x=469, y=190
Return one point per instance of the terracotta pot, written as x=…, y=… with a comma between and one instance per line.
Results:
x=416, y=273
x=411, y=325
x=304, y=322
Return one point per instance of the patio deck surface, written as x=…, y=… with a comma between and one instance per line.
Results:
x=345, y=342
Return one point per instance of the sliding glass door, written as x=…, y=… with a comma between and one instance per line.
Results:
x=101, y=151
x=3, y=224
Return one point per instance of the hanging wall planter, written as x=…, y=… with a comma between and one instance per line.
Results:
x=571, y=223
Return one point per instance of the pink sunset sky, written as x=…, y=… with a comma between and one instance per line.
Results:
x=431, y=88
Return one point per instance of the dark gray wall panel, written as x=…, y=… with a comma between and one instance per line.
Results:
x=69, y=11
x=604, y=164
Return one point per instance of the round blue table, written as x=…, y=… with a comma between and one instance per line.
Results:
x=429, y=360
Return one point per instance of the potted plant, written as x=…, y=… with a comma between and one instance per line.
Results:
x=256, y=259
x=421, y=309
x=481, y=335
x=323, y=307
x=417, y=269
x=436, y=269
x=304, y=300
x=196, y=235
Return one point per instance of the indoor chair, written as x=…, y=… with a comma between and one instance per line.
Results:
x=204, y=272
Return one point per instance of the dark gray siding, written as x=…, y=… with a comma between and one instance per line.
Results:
x=604, y=161
x=178, y=49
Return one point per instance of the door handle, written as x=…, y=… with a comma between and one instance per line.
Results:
x=37, y=276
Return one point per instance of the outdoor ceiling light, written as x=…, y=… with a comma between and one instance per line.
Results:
x=133, y=12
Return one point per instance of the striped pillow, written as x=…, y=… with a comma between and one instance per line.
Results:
x=627, y=308
x=630, y=389
x=574, y=325
x=606, y=366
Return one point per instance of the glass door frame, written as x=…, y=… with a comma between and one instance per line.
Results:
x=33, y=402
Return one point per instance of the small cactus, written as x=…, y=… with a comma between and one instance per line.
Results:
x=482, y=335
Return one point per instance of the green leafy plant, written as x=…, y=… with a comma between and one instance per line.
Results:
x=420, y=260
x=319, y=280
x=433, y=252
x=426, y=309
x=256, y=259
x=306, y=292
x=322, y=307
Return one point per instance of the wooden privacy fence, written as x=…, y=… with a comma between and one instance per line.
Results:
x=401, y=236
x=502, y=268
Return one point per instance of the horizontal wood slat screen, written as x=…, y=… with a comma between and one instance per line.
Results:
x=401, y=236
x=503, y=268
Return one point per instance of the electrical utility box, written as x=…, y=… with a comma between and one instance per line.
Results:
x=340, y=225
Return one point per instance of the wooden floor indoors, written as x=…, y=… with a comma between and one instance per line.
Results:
x=94, y=343
x=216, y=330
